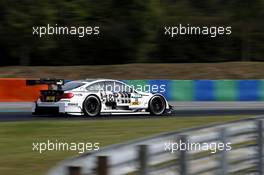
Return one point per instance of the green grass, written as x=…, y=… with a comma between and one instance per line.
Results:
x=16, y=138
x=177, y=71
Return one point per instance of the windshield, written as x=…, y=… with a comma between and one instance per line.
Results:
x=71, y=86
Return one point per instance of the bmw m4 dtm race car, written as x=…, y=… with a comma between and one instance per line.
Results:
x=93, y=97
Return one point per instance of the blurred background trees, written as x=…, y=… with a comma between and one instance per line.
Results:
x=130, y=31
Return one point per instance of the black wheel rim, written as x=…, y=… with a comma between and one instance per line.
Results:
x=92, y=106
x=157, y=105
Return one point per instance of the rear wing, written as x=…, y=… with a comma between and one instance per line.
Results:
x=53, y=84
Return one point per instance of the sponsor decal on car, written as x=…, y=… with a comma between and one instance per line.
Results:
x=136, y=96
x=78, y=95
x=72, y=104
x=135, y=103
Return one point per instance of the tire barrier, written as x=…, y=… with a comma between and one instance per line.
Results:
x=204, y=90
x=15, y=90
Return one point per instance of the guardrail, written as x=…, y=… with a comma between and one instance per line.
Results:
x=149, y=156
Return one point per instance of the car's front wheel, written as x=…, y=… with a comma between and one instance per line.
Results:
x=92, y=106
x=157, y=105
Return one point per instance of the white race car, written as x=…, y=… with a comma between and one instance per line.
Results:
x=93, y=97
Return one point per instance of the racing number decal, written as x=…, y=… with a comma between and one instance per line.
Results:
x=120, y=97
x=108, y=97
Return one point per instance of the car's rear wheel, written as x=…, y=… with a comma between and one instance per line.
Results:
x=92, y=106
x=157, y=105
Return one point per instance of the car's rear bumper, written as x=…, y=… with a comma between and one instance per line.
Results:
x=48, y=108
x=56, y=107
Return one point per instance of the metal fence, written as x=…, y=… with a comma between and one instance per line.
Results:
x=151, y=155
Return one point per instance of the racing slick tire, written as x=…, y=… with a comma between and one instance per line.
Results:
x=92, y=106
x=157, y=105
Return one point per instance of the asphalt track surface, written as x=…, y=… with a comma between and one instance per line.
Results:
x=26, y=116
x=22, y=111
